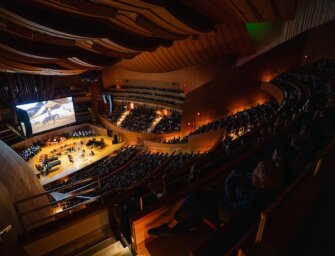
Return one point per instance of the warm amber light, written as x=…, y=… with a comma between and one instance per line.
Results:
x=118, y=84
x=57, y=209
x=198, y=114
x=267, y=78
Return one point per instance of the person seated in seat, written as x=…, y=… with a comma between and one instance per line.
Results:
x=243, y=193
x=303, y=146
x=249, y=191
x=283, y=156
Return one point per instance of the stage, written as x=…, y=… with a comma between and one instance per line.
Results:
x=80, y=160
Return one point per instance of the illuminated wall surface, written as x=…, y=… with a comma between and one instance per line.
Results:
x=264, y=32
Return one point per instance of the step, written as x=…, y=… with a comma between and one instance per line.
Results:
x=154, y=123
x=123, y=116
x=108, y=247
x=115, y=249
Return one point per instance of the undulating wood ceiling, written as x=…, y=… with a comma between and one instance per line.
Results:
x=65, y=37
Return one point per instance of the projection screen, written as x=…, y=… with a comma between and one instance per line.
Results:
x=46, y=115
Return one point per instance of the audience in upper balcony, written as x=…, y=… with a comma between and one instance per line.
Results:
x=247, y=192
x=169, y=123
x=144, y=93
x=143, y=98
x=119, y=109
x=247, y=118
x=152, y=88
x=126, y=91
x=235, y=124
x=176, y=140
x=139, y=119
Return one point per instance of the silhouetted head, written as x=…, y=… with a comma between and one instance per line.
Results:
x=266, y=176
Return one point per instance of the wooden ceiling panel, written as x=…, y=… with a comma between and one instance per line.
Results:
x=126, y=21
x=57, y=36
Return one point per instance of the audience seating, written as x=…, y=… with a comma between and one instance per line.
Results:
x=141, y=118
x=309, y=103
x=150, y=94
x=305, y=120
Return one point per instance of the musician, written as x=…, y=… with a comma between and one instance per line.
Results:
x=70, y=158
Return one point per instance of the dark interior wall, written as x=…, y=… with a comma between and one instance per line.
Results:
x=320, y=43
x=270, y=63
x=215, y=99
x=240, y=86
x=65, y=81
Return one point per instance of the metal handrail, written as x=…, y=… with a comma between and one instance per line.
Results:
x=57, y=202
x=70, y=185
x=62, y=212
x=52, y=190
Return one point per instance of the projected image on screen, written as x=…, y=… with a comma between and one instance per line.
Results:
x=46, y=115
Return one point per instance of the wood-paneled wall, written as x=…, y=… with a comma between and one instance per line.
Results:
x=196, y=143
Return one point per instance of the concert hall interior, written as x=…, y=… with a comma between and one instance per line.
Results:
x=167, y=127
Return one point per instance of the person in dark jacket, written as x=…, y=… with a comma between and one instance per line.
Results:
x=242, y=191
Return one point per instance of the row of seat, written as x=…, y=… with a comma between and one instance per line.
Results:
x=298, y=107
x=281, y=219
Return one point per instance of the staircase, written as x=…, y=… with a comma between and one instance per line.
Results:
x=154, y=123
x=9, y=135
x=124, y=115
x=107, y=247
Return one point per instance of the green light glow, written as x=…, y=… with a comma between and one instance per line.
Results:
x=261, y=32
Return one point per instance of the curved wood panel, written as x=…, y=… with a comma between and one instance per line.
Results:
x=196, y=143
x=18, y=181
x=228, y=39
x=134, y=138
x=147, y=36
x=274, y=91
